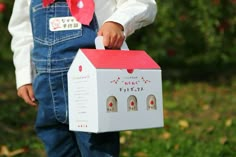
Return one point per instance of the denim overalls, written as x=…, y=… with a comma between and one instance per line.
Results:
x=52, y=55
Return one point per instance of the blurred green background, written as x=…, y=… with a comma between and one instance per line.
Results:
x=194, y=43
x=192, y=36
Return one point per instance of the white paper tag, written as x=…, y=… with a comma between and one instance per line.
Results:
x=64, y=23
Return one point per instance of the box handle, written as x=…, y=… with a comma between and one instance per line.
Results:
x=99, y=44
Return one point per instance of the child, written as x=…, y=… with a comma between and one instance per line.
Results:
x=42, y=57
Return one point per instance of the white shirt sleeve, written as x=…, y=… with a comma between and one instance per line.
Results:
x=134, y=14
x=22, y=41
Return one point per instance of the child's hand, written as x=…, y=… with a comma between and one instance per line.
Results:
x=27, y=94
x=113, y=35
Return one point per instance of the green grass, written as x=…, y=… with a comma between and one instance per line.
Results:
x=200, y=121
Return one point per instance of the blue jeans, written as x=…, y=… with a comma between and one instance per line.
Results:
x=52, y=55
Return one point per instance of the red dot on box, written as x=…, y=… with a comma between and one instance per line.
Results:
x=132, y=103
x=80, y=68
x=152, y=102
x=111, y=104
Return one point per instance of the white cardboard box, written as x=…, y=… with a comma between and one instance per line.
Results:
x=114, y=90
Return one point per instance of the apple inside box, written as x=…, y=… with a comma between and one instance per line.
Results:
x=114, y=90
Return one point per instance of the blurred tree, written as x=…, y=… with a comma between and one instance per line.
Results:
x=195, y=34
x=5, y=12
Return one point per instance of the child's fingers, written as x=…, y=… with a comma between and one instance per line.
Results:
x=113, y=35
x=106, y=40
x=113, y=40
x=118, y=41
x=26, y=93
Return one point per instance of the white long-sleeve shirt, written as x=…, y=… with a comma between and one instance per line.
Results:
x=131, y=14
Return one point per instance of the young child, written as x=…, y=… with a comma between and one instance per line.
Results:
x=43, y=52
